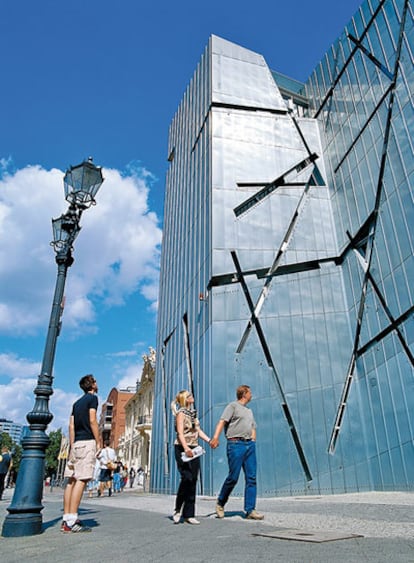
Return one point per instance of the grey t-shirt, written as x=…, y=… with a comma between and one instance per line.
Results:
x=239, y=421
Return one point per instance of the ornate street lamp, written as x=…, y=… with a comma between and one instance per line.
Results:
x=82, y=183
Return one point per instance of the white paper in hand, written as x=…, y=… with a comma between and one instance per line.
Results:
x=197, y=452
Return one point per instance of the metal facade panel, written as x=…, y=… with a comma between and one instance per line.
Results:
x=241, y=77
x=319, y=257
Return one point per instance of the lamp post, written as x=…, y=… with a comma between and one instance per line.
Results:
x=81, y=184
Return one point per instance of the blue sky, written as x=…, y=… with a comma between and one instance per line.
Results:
x=103, y=79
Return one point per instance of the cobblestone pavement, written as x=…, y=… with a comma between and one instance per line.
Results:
x=137, y=526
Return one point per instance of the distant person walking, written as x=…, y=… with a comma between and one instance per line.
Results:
x=107, y=460
x=116, y=480
x=84, y=441
x=140, y=477
x=131, y=477
x=124, y=476
x=188, y=431
x=240, y=430
x=5, y=465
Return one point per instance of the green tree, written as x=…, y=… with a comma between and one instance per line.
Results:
x=5, y=440
x=52, y=452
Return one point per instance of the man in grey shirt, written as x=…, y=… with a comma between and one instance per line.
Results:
x=240, y=430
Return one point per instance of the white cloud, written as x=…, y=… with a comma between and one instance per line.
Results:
x=14, y=367
x=116, y=252
x=122, y=354
x=61, y=405
x=18, y=397
x=127, y=366
x=131, y=374
x=18, y=393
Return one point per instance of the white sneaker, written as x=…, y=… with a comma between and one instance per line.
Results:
x=176, y=517
x=192, y=521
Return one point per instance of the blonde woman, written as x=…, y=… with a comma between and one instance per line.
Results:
x=188, y=431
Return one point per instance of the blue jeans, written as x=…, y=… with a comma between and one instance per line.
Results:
x=240, y=455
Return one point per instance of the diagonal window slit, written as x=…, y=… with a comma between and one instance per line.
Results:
x=164, y=402
x=371, y=238
x=313, y=180
x=269, y=360
x=272, y=186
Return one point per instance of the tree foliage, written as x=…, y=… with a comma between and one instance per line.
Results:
x=5, y=440
x=52, y=452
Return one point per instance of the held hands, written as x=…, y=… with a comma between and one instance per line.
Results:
x=214, y=443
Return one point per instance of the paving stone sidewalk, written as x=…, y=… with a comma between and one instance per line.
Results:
x=136, y=526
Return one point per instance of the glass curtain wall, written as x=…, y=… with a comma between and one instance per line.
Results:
x=362, y=95
x=286, y=257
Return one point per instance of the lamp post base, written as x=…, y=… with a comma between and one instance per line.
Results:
x=18, y=525
x=25, y=518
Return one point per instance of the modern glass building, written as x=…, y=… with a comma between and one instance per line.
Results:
x=11, y=428
x=287, y=261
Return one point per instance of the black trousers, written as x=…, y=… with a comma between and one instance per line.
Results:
x=2, y=479
x=186, y=494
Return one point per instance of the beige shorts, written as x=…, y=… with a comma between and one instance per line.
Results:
x=81, y=461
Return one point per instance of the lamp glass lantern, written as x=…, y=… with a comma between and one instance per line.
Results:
x=82, y=183
x=65, y=230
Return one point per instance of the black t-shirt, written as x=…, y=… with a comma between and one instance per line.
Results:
x=80, y=412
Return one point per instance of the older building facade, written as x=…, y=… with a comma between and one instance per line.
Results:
x=112, y=419
x=287, y=257
x=135, y=444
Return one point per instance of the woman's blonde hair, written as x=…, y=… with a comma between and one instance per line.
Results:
x=181, y=400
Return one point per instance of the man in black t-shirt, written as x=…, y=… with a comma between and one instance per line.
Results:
x=84, y=442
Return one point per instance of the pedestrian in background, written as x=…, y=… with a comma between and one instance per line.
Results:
x=116, y=479
x=131, y=477
x=93, y=484
x=107, y=460
x=240, y=429
x=140, y=477
x=187, y=433
x=124, y=477
x=5, y=465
